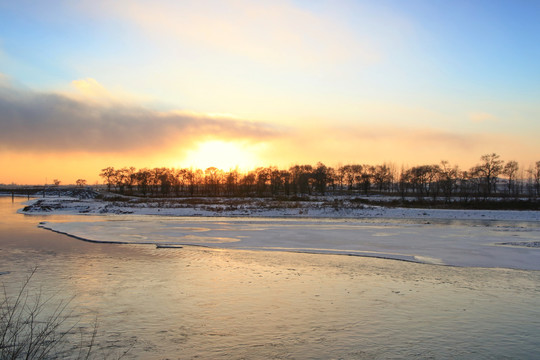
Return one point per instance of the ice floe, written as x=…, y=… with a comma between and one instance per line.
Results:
x=461, y=243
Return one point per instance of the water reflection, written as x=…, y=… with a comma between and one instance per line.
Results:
x=196, y=302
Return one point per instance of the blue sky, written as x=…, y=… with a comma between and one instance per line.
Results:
x=351, y=81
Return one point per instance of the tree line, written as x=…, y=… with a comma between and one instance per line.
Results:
x=490, y=177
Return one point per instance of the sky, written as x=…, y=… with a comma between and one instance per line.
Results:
x=89, y=84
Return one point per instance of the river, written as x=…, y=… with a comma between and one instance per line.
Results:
x=209, y=303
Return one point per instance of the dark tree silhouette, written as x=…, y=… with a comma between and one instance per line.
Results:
x=108, y=174
x=438, y=182
x=510, y=170
x=488, y=171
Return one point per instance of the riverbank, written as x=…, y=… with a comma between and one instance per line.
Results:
x=327, y=207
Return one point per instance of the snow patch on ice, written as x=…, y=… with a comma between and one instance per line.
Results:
x=429, y=260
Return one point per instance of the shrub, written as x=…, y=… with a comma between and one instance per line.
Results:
x=36, y=327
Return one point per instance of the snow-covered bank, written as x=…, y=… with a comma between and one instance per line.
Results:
x=262, y=208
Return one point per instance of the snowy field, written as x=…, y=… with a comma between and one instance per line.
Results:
x=254, y=207
x=507, y=239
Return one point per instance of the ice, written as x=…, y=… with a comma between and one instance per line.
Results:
x=532, y=244
x=443, y=242
x=167, y=246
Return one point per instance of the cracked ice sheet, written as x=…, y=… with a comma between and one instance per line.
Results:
x=462, y=244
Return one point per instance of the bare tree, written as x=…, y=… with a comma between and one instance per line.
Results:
x=510, y=170
x=130, y=178
x=366, y=176
x=120, y=179
x=231, y=180
x=142, y=178
x=404, y=182
x=248, y=182
x=488, y=171
x=264, y=176
x=108, y=175
x=382, y=177
x=276, y=181
x=286, y=179
x=447, y=179
x=420, y=178
x=339, y=176
x=535, y=172
x=165, y=181
x=181, y=180
x=331, y=178
x=194, y=179
x=300, y=178
x=320, y=176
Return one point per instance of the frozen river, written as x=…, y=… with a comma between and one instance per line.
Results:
x=493, y=243
x=232, y=302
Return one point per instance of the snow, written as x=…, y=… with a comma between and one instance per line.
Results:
x=470, y=238
x=263, y=208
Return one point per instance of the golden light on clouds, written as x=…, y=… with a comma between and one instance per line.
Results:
x=223, y=155
x=90, y=87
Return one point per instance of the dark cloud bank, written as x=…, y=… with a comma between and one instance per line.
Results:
x=33, y=121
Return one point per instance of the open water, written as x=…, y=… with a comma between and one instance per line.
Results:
x=207, y=303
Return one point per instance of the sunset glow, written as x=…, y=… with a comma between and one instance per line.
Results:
x=241, y=83
x=223, y=155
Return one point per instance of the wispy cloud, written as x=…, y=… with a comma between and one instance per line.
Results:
x=479, y=117
x=375, y=144
x=272, y=32
x=38, y=121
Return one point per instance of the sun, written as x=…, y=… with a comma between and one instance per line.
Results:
x=222, y=155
